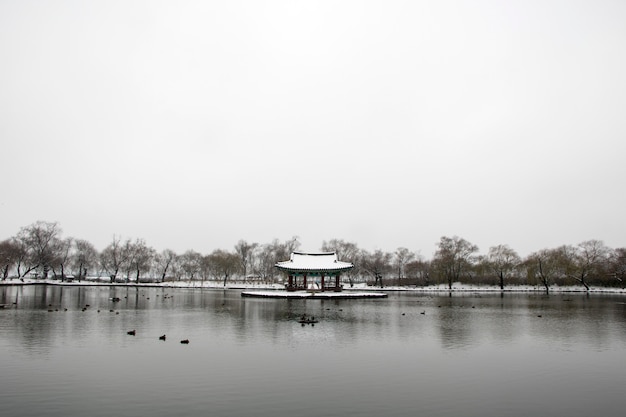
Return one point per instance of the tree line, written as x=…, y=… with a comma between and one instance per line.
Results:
x=41, y=251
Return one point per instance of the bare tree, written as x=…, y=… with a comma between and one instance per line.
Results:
x=266, y=261
x=164, y=261
x=284, y=250
x=346, y=251
x=401, y=257
x=24, y=261
x=9, y=256
x=206, y=268
x=190, y=263
x=62, y=255
x=376, y=264
x=85, y=257
x=544, y=265
x=617, y=264
x=39, y=241
x=140, y=258
x=502, y=261
x=223, y=263
x=454, y=257
x=245, y=251
x=418, y=269
x=271, y=253
x=584, y=260
x=114, y=257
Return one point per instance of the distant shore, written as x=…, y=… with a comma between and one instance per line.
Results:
x=239, y=285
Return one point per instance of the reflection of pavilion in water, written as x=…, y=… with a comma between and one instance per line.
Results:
x=320, y=270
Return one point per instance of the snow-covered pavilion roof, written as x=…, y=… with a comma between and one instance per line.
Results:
x=314, y=262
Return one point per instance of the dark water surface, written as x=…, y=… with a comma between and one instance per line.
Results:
x=408, y=355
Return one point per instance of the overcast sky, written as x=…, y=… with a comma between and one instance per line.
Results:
x=194, y=124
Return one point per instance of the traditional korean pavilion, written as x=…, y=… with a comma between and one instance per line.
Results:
x=322, y=269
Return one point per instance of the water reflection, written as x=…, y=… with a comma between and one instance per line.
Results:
x=476, y=354
x=456, y=321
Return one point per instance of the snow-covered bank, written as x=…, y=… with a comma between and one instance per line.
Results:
x=507, y=288
x=168, y=284
x=238, y=285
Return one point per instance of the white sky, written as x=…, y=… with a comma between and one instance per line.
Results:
x=193, y=124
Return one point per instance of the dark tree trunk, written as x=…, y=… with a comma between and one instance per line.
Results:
x=583, y=283
x=378, y=278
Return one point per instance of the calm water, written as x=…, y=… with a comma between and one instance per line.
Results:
x=467, y=355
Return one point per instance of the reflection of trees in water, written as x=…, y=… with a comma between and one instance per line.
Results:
x=453, y=323
x=460, y=321
x=567, y=319
x=560, y=320
x=9, y=295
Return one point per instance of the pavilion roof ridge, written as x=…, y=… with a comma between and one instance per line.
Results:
x=316, y=261
x=314, y=253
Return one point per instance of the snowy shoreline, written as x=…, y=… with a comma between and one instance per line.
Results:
x=219, y=285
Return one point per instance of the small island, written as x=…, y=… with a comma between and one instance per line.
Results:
x=315, y=276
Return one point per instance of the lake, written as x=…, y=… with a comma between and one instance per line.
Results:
x=411, y=354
